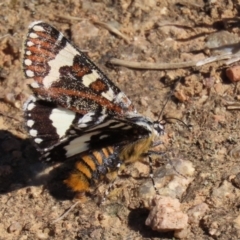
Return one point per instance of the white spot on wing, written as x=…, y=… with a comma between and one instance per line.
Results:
x=46, y=154
x=121, y=125
x=78, y=145
x=30, y=106
x=103, y=125
x=33, y=24
x=33, y=35
x=60, y=37
x=33, y=132
x=81, y=144
x=38, y=140
x=38, y=28
x=122, y=98
x=90, y=78
x=28, y=53
x=30, y=123
x=30, y=73
x=63, y=58
x=29, y=100
x=29, y=43
x=28, y=62
x=62, y=120
x=34, y=85
x=108, y=95
x=83, y=122
x=104, y=136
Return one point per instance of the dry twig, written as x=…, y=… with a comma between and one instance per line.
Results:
x=163, y=66
x=66, y=213
x=69, y=17
x=151, y=66
x=112, y=29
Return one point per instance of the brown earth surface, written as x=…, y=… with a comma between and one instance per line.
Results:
x=32, y=195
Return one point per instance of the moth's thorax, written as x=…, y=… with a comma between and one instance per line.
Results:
x=154, y=128
x=158, y=128
x=134, y=151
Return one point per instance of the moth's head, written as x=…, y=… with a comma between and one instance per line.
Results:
x=158, y=127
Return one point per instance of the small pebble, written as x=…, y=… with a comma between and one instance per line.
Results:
x=166, y=215
x=233, y=73
x=196, y=213
x=15, y=226
x=236, y=181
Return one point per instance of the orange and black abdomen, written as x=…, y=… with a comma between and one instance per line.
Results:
x=91, y=167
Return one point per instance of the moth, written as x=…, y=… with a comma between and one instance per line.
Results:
x=75, y=111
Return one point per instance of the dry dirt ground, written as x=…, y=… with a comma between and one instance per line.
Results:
x=32, y=192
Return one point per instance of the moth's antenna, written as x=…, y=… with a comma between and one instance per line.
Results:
x=186, y=125
x=169, y=96
x=164, y=105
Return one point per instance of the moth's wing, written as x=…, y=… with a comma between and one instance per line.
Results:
x=111, y=132
x=65, y=76
x=59, y=133
x=77, y=107
x=49, y=124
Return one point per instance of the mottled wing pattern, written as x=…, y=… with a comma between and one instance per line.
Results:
x=65, y=76
x=53, y=130
x=49, y=124
x=75, y=107
x=110, y=132
x=71, y=92
x=77, y=112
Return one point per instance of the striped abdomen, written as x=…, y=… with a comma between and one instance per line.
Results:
x=91, y=167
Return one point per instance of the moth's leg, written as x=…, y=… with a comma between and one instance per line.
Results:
x=110, y=167
x=152, y=152
x=157, y=143
x=151, y=174
x=111, y=176
x=149, y=154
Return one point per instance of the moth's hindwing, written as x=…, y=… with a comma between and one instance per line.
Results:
x=60, y=133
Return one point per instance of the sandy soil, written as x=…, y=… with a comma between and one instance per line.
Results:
x=32, y=192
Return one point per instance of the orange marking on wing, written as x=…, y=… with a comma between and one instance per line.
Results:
x=80, y=70
x=56, y=93
x=46, y=94
x=40, y=42
x=46, y=36
x=35, y=58
x=98, y=86
x=36, y=68
x=43, y=52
